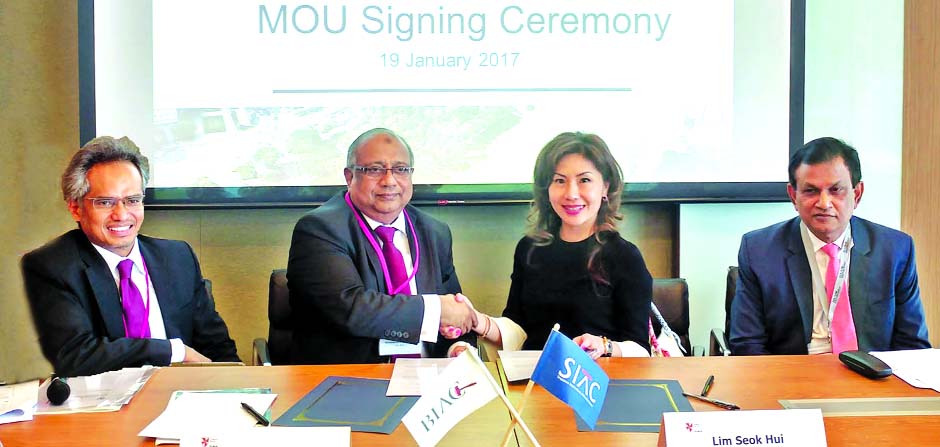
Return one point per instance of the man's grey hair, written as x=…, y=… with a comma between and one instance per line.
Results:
x=367, y=136
x=98, y=151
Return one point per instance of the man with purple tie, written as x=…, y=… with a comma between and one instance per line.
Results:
x=826, y=281
x=371, y=277
x=103, y=297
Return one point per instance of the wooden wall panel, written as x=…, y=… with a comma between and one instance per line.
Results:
x=920, y=189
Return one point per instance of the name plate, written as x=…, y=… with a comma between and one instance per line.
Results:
x=776, y=428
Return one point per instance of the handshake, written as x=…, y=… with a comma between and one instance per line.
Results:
x=458, y=317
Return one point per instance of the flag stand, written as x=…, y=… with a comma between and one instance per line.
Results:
x=512, y=423
x=516, y=417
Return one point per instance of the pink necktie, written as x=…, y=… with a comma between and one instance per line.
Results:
x=842, y=330
x=393, y=258
x=136, y=324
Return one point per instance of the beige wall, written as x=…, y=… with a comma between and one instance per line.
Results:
x=921, y=153
x=38, y=128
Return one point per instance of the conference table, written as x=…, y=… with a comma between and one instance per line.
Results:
x=485, y=427
x=751, y=382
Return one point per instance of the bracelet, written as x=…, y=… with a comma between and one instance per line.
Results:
x=608, y=347
x=486, y=331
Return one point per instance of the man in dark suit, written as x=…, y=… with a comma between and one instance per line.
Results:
x=79, y=284
x=789, y=278
x=347, y=302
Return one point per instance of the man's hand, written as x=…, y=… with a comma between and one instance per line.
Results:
x=458, y=314
x=451, y=332
x=193, y=356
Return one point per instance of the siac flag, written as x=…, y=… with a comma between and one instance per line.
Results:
x=567, y=372
x=462, y=387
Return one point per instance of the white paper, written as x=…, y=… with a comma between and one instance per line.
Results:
x=273, y=436
x=778, y=428
x=519, y=364
x=206, y=411
x=918, y=367
x=18, y=402
x=388, y=347
x=413, y=377
x=107, y=391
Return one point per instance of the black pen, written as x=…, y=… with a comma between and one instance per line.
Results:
x=258, y=417
x=708, y=385
x=720, y=403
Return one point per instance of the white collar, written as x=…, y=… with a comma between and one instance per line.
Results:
x=398, y=223
x=112, y=259
x=818, y=243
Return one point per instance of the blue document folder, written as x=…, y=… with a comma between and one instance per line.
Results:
x=638, y=405
x=349, y=401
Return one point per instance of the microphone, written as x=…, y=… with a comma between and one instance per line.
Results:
x=58, y=390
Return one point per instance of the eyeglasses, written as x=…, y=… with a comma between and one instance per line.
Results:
x=379, y=172
x=108, y=203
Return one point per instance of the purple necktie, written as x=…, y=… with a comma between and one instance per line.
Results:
x=393, y=259
x=136, y=324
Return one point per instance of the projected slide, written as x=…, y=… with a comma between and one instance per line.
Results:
x=234, y=93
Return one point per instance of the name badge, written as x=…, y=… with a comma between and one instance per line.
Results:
x=775, y=428
x=389, y=347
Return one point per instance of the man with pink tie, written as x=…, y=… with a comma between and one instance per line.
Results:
x=826, y=281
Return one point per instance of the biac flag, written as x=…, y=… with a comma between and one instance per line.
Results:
x=462, y=387
x=569, y=373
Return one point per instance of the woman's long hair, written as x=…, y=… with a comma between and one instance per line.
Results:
x=545, y=223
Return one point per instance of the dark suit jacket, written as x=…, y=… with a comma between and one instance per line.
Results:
x=772, y=310
x=76, y=306
x=337, y=289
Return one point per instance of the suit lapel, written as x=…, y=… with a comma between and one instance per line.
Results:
x=374, y=263
x=860, y=272
x=158, y=271
x=365, y=248
x=104, y=288
x=418, y=238
x=801, y=279
x=423, y=276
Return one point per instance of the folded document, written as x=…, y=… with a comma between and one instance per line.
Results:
x=101, y=392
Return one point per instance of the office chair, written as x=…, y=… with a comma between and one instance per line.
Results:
x=718, y=341
x=276, y=349
x=671, y=297
x=208, y=285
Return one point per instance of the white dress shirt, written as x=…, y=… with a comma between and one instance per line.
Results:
x=145, y=286
x=818, y=263
x=430, y=325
